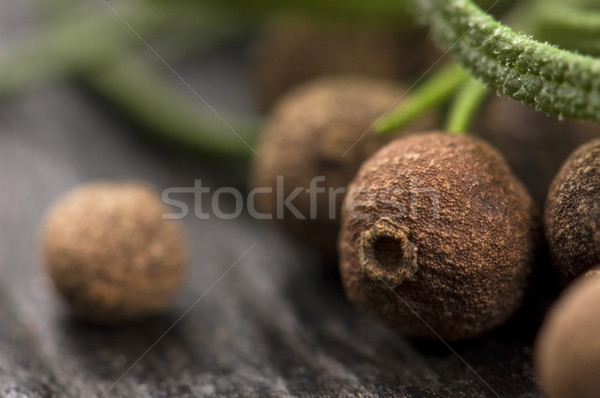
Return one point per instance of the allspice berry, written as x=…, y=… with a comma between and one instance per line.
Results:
x=291, y=51
x=110, y=254
x=567, y=349
x=534, y=144
x=438, y=237
x=313, y=143
x=572, y=213
x=593, y=273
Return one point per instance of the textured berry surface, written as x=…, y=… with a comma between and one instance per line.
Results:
x=567, y=352
x=455, y=218
x=572, y=213
x=110, y=254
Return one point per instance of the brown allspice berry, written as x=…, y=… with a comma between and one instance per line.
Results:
x=534, y=144
x=290, y=51
x=438, y=237
x=567, y=349
x=111, y=255
x=572, y=213
x=316, y=138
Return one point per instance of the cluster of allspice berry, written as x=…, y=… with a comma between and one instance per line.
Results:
x=559, y=161
x=319, y=133
x=436, y=235
x=111, y=255
x=567, y=353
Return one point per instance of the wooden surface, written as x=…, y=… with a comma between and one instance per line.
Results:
x=277, y=324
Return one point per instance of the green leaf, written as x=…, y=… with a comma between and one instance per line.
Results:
x=435, y=91
x=465, y=106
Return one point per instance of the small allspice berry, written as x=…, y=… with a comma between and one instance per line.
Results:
x=315, y=140
x=567, y=349
x=111, y=255
x=438, y=237
x=292, y=51
x=572, y=213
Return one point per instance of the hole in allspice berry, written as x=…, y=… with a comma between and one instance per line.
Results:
x=386, y=254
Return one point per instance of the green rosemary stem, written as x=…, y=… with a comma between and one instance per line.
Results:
x=465, y=106
x=432, y=93
x=89, y=44
x=166, y=113
x=554, y=81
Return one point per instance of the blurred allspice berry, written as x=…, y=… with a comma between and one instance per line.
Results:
x=111, y=255
x=438, y=237
x=534, y=144
x=572, y=213
x=593, y=273
x=317, y=137
x=567, y=349
x=290, y=51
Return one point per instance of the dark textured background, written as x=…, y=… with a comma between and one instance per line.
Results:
x=276, y=325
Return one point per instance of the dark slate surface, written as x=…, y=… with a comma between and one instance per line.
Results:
x=276, y=324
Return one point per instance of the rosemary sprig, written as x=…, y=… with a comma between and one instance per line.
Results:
x=166, y=113
x=78, y=39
